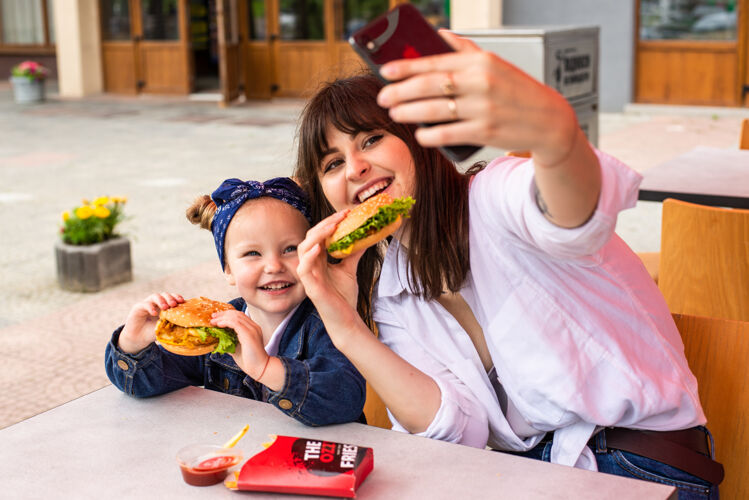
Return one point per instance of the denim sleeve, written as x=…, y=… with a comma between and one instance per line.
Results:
x=323, y=387
x=151, y=371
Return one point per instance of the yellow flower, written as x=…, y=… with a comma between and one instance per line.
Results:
x=84, y=212
x=101, y=212
x=84, y=201
x=101, y=200
x=65, y=215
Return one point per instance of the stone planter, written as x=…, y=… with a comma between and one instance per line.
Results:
x=27, y=91
x=90, y=268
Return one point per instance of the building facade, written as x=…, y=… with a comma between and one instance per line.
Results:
x=651, y=51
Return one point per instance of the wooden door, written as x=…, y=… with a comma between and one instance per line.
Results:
x=227, y=19
x=692, y=56
x=118, y=46
x=258, y=69
x=300, y=45
x=162, y=46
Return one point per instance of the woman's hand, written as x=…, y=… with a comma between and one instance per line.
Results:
x=331, y=287
x=495, y=104
x=139, y=330
x=491, y=102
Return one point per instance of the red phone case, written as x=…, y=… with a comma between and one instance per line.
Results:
x=403, y=33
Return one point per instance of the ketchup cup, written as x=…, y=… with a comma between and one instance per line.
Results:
x=206, y=464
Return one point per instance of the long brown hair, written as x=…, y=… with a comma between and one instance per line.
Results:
x=438, y=240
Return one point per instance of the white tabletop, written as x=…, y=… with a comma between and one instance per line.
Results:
x=109, y=445
x=711, y=176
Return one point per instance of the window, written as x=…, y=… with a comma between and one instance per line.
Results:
x=357, y=13
x=115, y=19
x=437, y=12
x=301, y=20
x=258, y=21
x=160, y=19
x=688, y=19
x=26, y=22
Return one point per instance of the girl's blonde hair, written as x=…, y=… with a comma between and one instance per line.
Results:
x=201, y=211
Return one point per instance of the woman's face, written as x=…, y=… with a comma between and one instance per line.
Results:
x=357, y=167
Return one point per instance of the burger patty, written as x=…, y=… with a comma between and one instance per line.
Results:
x=177, y=335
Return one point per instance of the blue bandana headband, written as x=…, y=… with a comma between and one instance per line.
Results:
x=233, y=193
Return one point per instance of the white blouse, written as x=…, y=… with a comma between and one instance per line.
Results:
x=577, y=330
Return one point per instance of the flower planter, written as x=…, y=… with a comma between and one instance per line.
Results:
x=27, y=90
x=90, y=268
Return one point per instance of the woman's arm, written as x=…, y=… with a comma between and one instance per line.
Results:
x=412, y=396
x=498, y=105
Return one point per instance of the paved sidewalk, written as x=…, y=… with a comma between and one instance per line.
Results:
x=161, y=153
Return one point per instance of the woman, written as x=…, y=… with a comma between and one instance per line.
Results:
x=509, y=313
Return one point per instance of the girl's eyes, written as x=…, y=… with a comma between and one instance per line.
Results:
x=290, y=249
x=252, y=253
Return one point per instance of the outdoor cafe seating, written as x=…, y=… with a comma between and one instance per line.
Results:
x=717, y=350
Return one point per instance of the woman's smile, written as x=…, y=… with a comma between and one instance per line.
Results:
x=359, y=166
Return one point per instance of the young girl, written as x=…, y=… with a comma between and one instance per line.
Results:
x=285, y=356
x=509, y=313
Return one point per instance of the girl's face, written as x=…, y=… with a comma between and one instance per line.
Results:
x=357, y=167
x=261, y=257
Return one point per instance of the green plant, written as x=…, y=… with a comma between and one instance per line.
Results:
x=93, y=222
x=30, y=69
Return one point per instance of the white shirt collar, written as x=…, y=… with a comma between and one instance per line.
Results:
x=394, y=276
x=272, y=346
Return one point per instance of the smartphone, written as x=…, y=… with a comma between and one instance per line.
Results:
x=403, y=33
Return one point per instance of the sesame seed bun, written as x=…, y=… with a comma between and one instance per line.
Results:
x=356, y=217
x=176, y=332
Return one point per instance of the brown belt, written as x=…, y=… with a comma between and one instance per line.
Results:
x=687, y=449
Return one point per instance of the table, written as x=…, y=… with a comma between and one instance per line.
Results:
x=110, y=445
x=708, y=176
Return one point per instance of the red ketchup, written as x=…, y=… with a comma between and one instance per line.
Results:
x=209, y=471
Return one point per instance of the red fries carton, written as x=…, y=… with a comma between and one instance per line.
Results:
x=305, y=466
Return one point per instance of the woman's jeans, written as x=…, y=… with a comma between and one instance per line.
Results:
x=622, y=463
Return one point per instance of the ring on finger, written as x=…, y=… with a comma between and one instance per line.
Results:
x=452, y=107
x=448, y=85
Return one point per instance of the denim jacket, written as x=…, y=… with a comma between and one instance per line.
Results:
x=322, y=386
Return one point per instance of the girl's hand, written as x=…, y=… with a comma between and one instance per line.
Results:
x=495, y=104
x=139, y=330
x=331, y=287
x=250, y=355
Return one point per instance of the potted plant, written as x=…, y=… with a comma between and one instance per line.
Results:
x=27, y=79
x=91, y=255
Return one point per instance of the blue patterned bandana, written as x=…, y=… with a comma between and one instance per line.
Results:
x=233, y=193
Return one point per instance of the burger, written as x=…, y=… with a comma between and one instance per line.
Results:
x=369, y=222
x=186, y=329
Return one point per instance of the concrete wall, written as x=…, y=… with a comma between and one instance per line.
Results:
x=616, y=19
x=79, y=63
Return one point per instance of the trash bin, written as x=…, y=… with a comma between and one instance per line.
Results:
x=563, y=57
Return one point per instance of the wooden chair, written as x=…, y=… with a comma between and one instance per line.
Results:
x=375, y=411
x=744, y=138
x=704, y=261
x=717, y=351
x=651, y=261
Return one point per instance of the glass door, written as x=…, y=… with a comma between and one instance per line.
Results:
x=691, y=52
x=144, y=46
x=163, y=46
